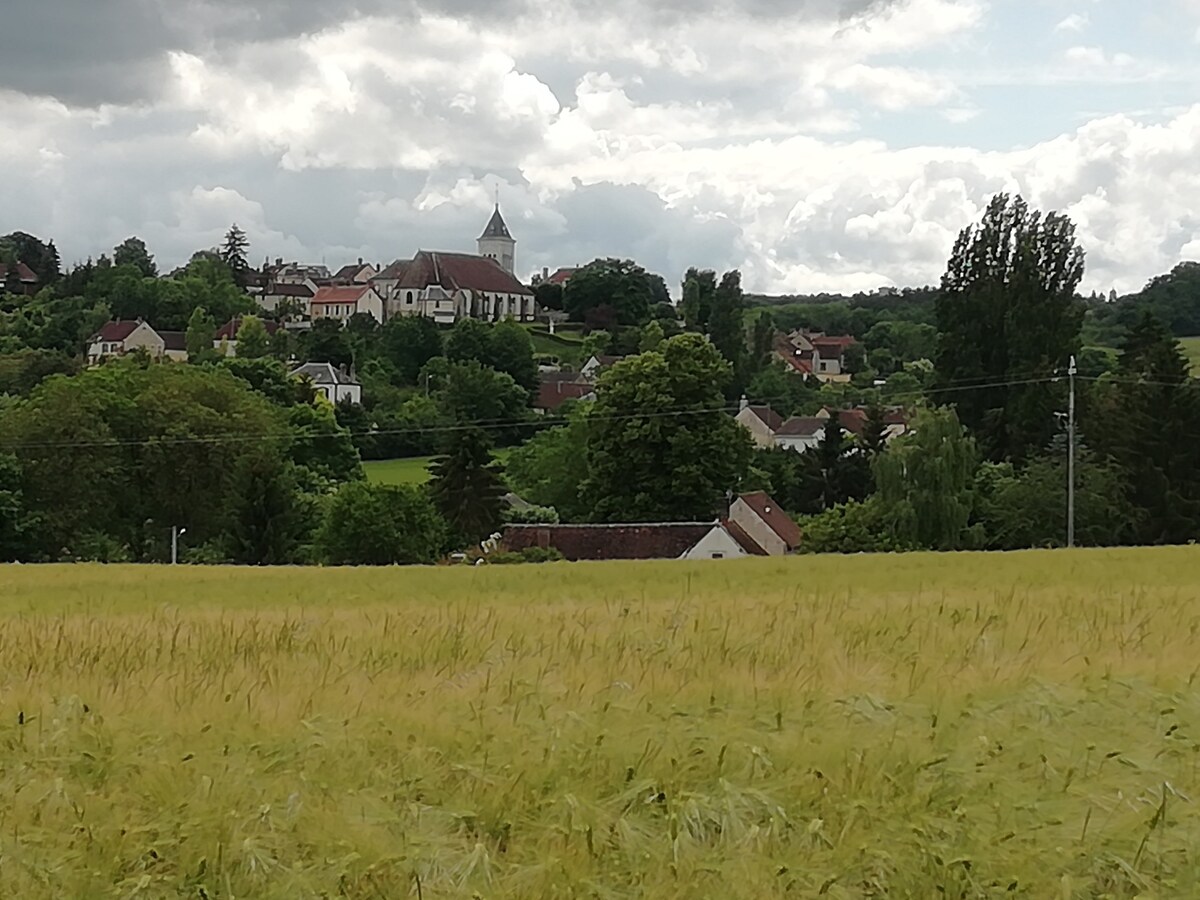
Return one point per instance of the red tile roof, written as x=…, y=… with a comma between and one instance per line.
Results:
x=341, y=294
x=25, y=274
x=459, y=271
x=554, y=392
x=281, y=289
x=775, y=518
x=800, y=426
x=228, y=331
x=114, y=332
x=563, y=275
x=660, y=540
x=792, y=355
x=852, y=420
x=767, y=416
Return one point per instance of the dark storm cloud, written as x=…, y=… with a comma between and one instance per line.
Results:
x=86, y=52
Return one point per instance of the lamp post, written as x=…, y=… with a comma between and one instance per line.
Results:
x=176, y=531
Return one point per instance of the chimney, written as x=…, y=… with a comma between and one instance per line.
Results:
x=743, y=404
x=545, y=272
x=360, y=260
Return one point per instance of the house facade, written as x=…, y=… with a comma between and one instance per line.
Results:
x=121, y=337
x=18, y=279
x=355, y=273
x=340, y=302
x=765, y=523
x=817, y=354
x=298, y=294
x=761, y=421
x=556, y=388
x=334, y=384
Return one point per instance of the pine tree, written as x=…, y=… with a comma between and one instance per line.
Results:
x=467, y=487
x=233, y=253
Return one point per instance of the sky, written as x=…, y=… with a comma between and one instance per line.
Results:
x=816, y=145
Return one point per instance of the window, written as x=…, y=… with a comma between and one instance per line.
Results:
x=410, y=297
x=718, y=556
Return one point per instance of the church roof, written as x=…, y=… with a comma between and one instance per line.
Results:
x=459, y=271
x=496, y=227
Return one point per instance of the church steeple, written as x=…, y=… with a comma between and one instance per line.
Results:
x=497, y=242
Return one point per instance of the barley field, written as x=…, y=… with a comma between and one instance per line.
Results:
x=924, y=726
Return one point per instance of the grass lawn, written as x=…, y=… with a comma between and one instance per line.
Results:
x=412, y=470
x=1191, y=347
x=960, y=725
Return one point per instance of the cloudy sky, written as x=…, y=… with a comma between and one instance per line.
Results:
x=814, y=144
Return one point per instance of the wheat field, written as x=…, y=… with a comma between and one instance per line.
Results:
x=925, y=726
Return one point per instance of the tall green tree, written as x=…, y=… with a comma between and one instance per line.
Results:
x=201, y=329
x=268, y=517
x=660, y=445
x=699, y=291
x=925, y=484
x=467, y=487
x=726, y=326
x=253, y=342
x=16, y=521
x=41, y=257
x=233, y=254
x=1158, y=407
x=1009, y=318
x=550, y=468
x=132, y=252
x=842, y=471
x=510, y=350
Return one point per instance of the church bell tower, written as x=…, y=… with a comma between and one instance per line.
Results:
x=497, y=243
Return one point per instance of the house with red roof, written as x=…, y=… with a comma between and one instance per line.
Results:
x=761, y=421
x=815, y=353
x=18, y=279
x=121, y=337
x=763, y=521
x=556, y=388
x=225, y=340
x=340, y=302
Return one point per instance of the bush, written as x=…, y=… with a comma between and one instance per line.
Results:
x=850, y=528
x=534, y=515
x=528, y=555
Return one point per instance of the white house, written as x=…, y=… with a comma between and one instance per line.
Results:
x=332, y=383
x=295, y=293
x=799, y=433
x=343, y=301
x=121, y=337
x=761, y=421
x=764, y=523
x=355, y=273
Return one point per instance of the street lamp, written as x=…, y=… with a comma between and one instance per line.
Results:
x=176, y=531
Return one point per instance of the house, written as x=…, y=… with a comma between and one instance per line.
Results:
x=355, y=273
x=449, y=286
x=121, y=337
x=18, y=279
x=174, y=345
x=297, y=273
x=761, y=421
x=225, y=340
x=799, y=433
x=556, y=388
x=561, y=276
x=651, y=540
x=340, y=302
x=763, y=522
x=815, y=353
x=854, y=421
x=288, y=293
x=334, y=384
x=595, y=366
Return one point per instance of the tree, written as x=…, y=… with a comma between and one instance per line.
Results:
x=925, y=484
x=725, y=323
x=660, y=445
x=322, y=446
x=408, y=343
x=200, y=332
x=471, y=392
x=1009, y=319
x=380, y=525
x=253, y=342
x=842, y=471
x=550, y=468
x=233, y=254
x=326, y=342
x=16, y=523
x=1158, y=406
x=699, y=290
x=549, y=295
x=268, y=515
x=652, y=337
x=510, y=350
x=132, y=252
x=468, y=340
x=874, y=436
x=1029, y=508
x=621, y=284
x=41, y=257
x=467, y=487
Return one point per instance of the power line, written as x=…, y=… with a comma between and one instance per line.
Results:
x=483, y=424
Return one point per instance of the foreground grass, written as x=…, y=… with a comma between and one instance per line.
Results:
x=918, y=726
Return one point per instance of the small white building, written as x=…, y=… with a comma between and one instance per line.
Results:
x=121, y=337
x=334, y=384
x=800, y=433
x=762, y=422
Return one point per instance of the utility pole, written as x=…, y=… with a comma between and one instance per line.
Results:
x=1071, y=456
x=176, y=531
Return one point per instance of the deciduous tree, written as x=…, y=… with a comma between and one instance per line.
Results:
x=380, y=525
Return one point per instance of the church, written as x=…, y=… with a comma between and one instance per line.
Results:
x=451, y=286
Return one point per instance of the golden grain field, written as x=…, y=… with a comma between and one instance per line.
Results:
x=1023, y=725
